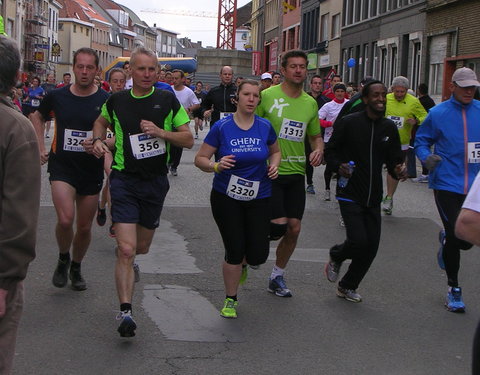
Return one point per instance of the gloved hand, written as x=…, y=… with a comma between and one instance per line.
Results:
x=432, y=161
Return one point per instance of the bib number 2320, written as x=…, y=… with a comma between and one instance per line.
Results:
x=242, y=189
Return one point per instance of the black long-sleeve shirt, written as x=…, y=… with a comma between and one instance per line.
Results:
x=370, y=144
x=222, y=98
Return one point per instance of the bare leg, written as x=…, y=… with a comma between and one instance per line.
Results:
x=231, y=277
x=86, y=209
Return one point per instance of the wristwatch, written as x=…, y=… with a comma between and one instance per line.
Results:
x=96, y=139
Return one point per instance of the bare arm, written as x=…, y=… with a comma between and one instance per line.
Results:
x=318, y=146
x=39, y=124
x=181, y=138
x=468, y=226
x=274, y=160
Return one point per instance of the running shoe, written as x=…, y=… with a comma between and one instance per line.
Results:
x=454, y=302
x=136, y=272
x=278, y=287
x=326, y=195
x=244, y=276
x=101, y=216
x=111, y=231
x=442, y=239
x=78, y=282
x=229, y=309
x=201, y=127
x=127, y=325
x=60, y=276
x=387, y=205
x=422, y=179
x=310, y=189
x=349, y=294
x=332, y=269
x=196, y=136
x=173, y=171
x=254, y=267
x=342, y=223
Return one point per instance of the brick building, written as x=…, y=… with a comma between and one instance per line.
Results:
x=453, y=41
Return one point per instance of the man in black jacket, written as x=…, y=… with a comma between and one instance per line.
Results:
x=220, y=100
x=369, y=140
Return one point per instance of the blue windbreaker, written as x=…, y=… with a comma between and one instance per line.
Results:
x=454, y=131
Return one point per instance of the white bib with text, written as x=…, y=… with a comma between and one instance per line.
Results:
x=242, y=189
x=73, y=139
x=292, y=130
x=145, y=146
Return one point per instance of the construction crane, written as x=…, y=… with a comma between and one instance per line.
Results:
x=227, y=20
x=227, y=24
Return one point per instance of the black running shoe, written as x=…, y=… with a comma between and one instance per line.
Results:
x=101, y=216
x=78, y=282
x=127, y=325
x=60, y=276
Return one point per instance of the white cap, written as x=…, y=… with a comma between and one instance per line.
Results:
x=266, y=76
x=465, y=77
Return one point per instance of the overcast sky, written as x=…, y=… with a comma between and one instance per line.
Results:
x=195, y=28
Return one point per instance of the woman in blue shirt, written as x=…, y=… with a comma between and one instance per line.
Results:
x=247, y=157
x=35, y=96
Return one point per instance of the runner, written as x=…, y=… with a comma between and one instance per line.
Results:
x=327, y=115
x=219, y=101
x=406, y=112
x=67, y=77
x=190, y=103
x=116, y=80
x=316, y=88
x=293, y=114
x=276, y=78
x=197, y=114
x=369, y=140
x=75, y=177
x=142, y=120
x=242, y=144
x=266, y=81
x=453, y=128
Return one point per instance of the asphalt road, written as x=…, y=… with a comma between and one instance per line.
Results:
x=401, y=327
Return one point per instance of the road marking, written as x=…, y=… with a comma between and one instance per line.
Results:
x=183, y=314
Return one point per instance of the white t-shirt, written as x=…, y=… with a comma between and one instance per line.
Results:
x=330, y=110
x=472, y=202
x=129, y=84
x=186, y=97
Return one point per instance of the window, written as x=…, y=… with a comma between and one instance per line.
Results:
x=74, y=28
x=383, y=65
x=393, y=62
x=366, y=60
x=336, y=26
x=86, y=31
x=374, y=59
x=309, y=29
x=416, y=59
x=374, y=8
x=324, y=27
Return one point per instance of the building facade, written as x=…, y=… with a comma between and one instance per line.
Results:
x=451, y=44
x=383, y=39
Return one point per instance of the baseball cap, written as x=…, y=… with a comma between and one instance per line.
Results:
x=266, y=76
x=465, y=77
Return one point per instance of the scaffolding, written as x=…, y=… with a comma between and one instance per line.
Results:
x=36, y=41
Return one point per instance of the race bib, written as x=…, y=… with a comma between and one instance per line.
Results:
x=35, y=103
x=241, y=189
x=474, y=152
x=292, y=130
x=397, y=120
x=73, y=139
x=145, y=146
x=109, y=134
x=328, y=134
x=225, y=114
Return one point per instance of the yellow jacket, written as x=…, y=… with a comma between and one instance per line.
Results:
x=400, y=111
